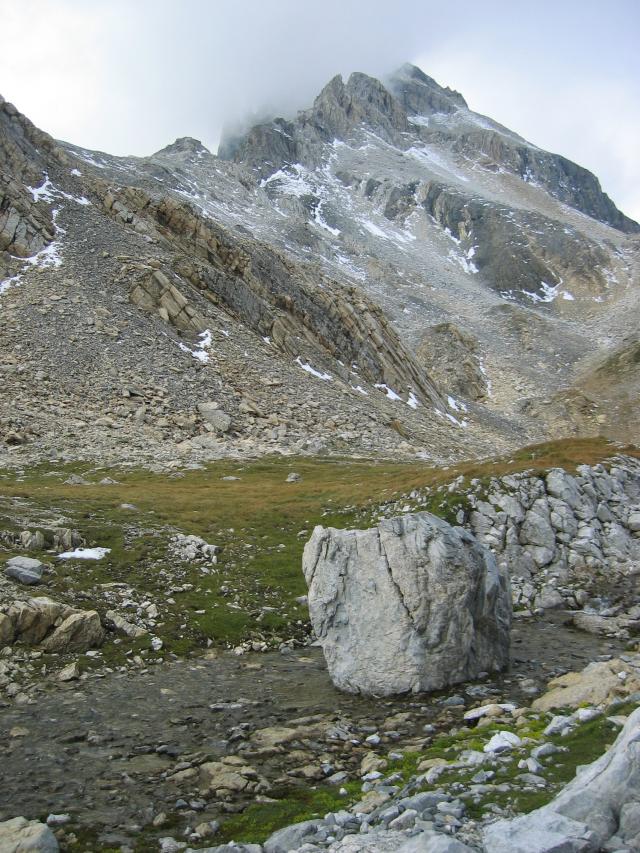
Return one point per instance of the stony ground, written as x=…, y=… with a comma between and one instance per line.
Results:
x=122, y=754
x=201, y=713
x=158, y=684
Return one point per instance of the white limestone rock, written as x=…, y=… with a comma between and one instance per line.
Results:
x=20, y=835
x=413, y=604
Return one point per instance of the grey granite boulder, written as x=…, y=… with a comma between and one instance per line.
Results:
x=412, y=604
x=25, y=570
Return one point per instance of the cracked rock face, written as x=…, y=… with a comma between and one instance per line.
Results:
x=413, y=604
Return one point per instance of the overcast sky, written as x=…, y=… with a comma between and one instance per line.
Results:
x=129, y=76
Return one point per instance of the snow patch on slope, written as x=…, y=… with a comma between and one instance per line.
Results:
x=201, y=351
x=308, y=369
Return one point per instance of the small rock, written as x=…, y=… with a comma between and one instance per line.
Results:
x=123, y=625
x=76, y=480
x=558, y=724
x=170, y=845
x=404, y=820
x=58, y=819
x=503, y=741
x=71, y=672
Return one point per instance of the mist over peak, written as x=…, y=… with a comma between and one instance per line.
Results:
x=194, y=69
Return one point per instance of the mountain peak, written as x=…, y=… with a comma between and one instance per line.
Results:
x=184, y=145
x=362, y=100
x=419, y=94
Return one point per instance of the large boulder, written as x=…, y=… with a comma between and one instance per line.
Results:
x=58, y=627
x=412, y=604
x=31, y=620
x=20, y=835
x=602, y=801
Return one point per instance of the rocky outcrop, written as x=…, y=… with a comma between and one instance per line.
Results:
x=451, y=357
x=420, y=95
x=158, y=293
x=561, y=530
x=339, y=110
x=78, y=632
x=230, y=776
x=600, y=807
x=193, y=548
x=273, y=296
x=342, y=107
x=610, y=388
x=567, y=181
x=519, y=253
x=56, y=626
x=26, y=226
x=50, y=538
x=412, y=604
x=600, y=683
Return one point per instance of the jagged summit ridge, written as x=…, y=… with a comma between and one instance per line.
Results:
x=186, y=145
x=413, y=107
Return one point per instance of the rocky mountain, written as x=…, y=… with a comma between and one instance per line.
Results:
x=385, y=275
x=386, y=272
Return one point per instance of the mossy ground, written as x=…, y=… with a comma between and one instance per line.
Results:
x=259, y=820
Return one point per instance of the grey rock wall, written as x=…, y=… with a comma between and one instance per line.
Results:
x=560, y=531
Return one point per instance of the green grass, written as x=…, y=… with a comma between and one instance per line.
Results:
x=257, y=520
x=585, y=743
x=294, y=805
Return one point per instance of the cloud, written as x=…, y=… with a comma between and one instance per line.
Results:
x=129, y=77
